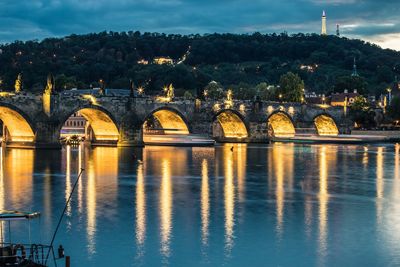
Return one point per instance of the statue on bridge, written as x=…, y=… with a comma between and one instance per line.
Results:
x=170, y=92
x=229, y=99
x=18, y=83
x=50, y=86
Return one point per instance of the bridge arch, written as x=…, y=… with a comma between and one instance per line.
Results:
x=101, y=122
x=231, y=123
x=325, y=125
x=280, y=124
x=166, y=120
x=18, y=126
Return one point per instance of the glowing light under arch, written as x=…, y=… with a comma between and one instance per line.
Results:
x=103, y=126
x=171, y=122
x=18, y=127
x=232, y=125
x=326, y=126
x=280, y=125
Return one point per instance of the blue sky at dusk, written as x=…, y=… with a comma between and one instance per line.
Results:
x=371, y=20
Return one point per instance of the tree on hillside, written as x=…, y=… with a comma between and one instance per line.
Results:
x=362, y=113
x=214, y=90
x=291, y=87
x=350, y=83
x=265, y=91
x=394, y=108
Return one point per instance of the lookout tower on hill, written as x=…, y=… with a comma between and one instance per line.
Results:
x=323, y=28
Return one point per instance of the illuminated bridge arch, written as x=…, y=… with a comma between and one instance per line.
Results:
x=101, y=122
x=18, y=126
x=166, y=120
x=231, y=123
x=325, y=125
x=280, y=125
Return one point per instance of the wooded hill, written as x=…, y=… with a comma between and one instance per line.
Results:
x=323, y=62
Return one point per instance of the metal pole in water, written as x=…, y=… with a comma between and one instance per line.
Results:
x=62, y=215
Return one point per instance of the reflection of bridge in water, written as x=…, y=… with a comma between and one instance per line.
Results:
x=35, y=120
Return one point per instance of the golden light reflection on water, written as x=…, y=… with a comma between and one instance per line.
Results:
x=229, y=199
x=323, y=201
x=68, y=186
x=282, y=171
x=18, y=169
x=79, y=186
x=241, y=154
x=379, y=173
x=166, y=207
x=205, y=202
x=140, y=209
x=101, y=173
x=390, y=225
x=91, y=207
x=379, y=183
x=396, y=162
x=2, y=195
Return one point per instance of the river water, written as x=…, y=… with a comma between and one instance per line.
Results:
x=253, y=205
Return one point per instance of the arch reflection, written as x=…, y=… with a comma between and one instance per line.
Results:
x=229, y=198
x=205, y=202
x=166, y=207
x=101, y=173
x=281, y=169
x=323, y=201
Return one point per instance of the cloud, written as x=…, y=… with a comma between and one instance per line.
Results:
x=37, y=19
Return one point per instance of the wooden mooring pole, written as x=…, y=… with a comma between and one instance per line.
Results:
x=67, y=261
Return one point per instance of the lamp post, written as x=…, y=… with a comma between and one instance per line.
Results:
x=280, y=97
x=205, y=94
x=389, y=90
x=140, y=90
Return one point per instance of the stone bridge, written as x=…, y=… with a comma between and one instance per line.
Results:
x=35, y=120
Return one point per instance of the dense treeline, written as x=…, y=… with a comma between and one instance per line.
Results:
x=237, y=61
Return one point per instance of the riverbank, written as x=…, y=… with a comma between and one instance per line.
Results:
x=390, y=136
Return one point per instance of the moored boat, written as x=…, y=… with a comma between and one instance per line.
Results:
x=23, y=254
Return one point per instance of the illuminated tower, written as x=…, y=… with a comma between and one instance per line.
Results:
x=323, y=28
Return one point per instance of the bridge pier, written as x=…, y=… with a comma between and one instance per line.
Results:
x=130, y=134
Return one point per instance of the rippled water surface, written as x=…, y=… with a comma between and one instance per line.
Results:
x=275, y=205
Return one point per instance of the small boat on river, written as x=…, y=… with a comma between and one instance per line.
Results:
x=28, y=254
